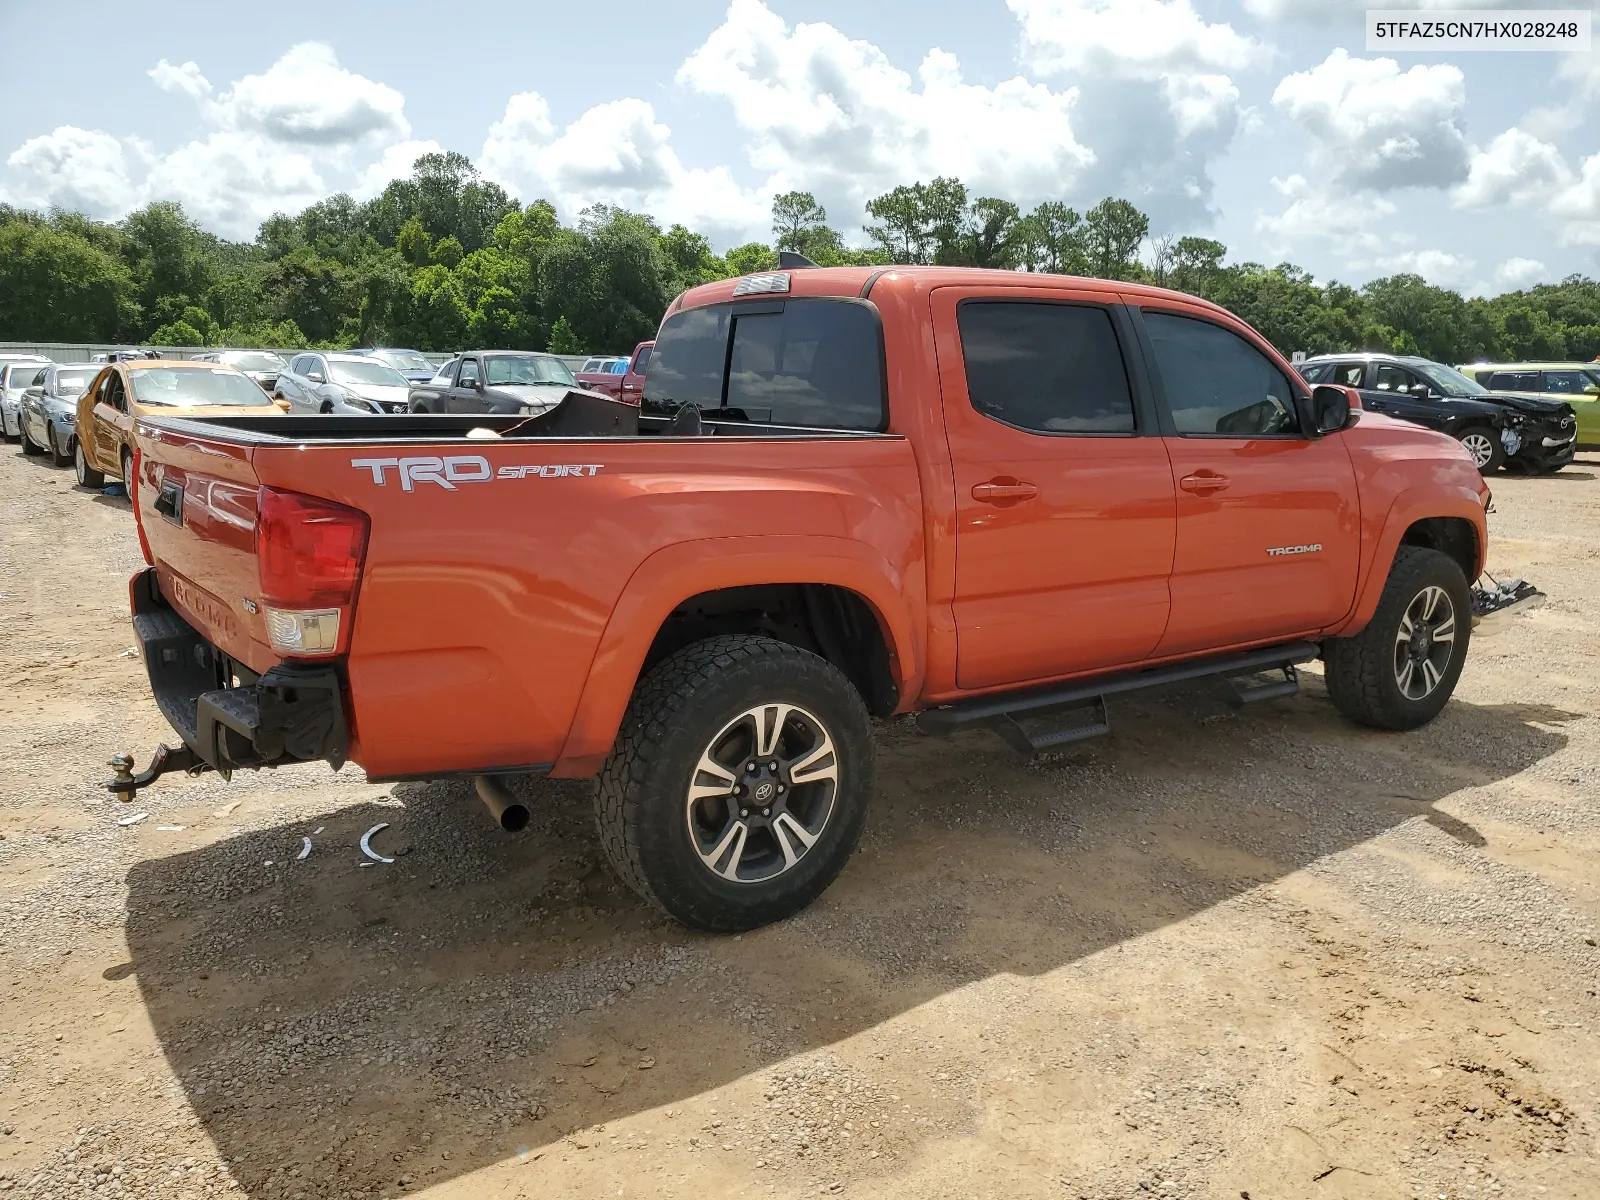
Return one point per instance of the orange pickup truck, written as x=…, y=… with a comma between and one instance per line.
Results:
x=993, y=499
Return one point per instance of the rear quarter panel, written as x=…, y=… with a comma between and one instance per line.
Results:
x=482, y=606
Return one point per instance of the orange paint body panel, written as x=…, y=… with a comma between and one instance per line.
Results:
x=505, y=622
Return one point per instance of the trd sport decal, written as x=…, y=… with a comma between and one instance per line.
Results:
x=1279, y=551
x=451, y=469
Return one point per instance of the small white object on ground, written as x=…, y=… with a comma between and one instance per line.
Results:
x=171, y=828
x=318, y=830
x=133, y=820
x=305, y=850
x=366, y=843
x=227, y=809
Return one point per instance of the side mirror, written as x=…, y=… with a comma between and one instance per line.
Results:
x=36, y=392
x=315, y=377
x=1333, y=408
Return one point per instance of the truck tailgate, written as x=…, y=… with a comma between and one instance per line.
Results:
x=195, y=501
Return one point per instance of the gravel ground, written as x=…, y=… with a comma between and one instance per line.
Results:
x=1218, y=954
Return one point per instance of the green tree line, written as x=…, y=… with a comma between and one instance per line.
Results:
x=445, y=259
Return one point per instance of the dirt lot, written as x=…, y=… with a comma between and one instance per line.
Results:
x=1218, y=954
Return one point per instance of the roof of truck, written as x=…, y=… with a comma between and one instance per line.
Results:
x=863, y=281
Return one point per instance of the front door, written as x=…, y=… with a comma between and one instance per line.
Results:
x=1064, y=506
x=465, y=396
x=1268, y=525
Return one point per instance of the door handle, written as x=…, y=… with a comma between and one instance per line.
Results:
x=997, y=491
x=1204, y=482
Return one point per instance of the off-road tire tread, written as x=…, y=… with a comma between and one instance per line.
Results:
x=660, y=707
x=1357, y=669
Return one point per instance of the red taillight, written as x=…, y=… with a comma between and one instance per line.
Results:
x=308, y=551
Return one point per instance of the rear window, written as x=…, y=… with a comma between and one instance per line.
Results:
x=73, y=383
x=811, y=362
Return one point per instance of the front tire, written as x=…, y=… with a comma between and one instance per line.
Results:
x=57, y=459
x=1400, y=670
x=88, y=477
x=28, y=446
x=126, y=459
x=1483, y=444
x=738, y=785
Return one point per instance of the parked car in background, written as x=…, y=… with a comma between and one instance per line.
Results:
x=1531, y=432
x=441, y=377
x=263, y=366
x=410, y=363
x=18, y=372
x=497, y=381
x=49, y=413
x=633, y=381
x=1576, y=383
x=604, y=375
x=125, y=391
x=111, y=356
x=346, y=384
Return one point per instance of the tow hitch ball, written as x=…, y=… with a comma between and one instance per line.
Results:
x=125, y=784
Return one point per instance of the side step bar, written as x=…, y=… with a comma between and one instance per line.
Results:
x=1002, y=712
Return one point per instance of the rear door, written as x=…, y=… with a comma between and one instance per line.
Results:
x=633, y=380
x=110, y=420
x=1065, y=517
x=1268, y=535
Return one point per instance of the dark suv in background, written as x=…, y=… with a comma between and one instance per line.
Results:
x=1533, y=433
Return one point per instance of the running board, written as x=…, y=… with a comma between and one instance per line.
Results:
x=1003, y=712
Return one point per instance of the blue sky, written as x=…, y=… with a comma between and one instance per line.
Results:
x=1262, y=123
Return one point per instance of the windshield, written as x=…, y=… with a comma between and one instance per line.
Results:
x=405, y=360
x=72, y=383
x=255, y=360
x=1448, y=381
x=527, y=369
x=180, y=387
x=366, y=371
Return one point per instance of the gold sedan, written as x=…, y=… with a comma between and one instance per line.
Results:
x=125, y=391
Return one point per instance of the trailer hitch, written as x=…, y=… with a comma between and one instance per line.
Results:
x=125, y=786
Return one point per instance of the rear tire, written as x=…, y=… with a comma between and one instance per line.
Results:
x=88, y=477
x=715, y=844
x=57, y=459
x=1483, y=443
x=1393, y=675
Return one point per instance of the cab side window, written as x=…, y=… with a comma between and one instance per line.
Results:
x=1216, y=382
x=469, y=373
x=1045, y=368
x=1514, y=381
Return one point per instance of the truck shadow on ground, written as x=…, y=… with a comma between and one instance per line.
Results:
x=337, y=1027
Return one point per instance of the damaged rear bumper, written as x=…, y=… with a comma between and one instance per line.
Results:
x=227, y=716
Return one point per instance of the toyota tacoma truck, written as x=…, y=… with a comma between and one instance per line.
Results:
x=992, y=499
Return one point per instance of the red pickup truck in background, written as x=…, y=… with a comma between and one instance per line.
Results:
x=620, y=378
x=992, y=498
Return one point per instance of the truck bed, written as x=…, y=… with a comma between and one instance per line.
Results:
x=503, y=576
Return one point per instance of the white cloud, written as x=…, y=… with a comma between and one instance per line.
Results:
x=1517, y=168
x=836, y=117
x=186, y=79
x=1318, y=12
x=233, y=181
x=1352, y=224
x=77, y=169
x=1578, y=205
x=1377, y=126
x=307, y=98
x=616, y=153
x=1438, y=267
x=395, y=163
x=1144, y=38
x=1517, y=273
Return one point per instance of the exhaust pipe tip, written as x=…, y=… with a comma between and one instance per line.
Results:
x=509, y=813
